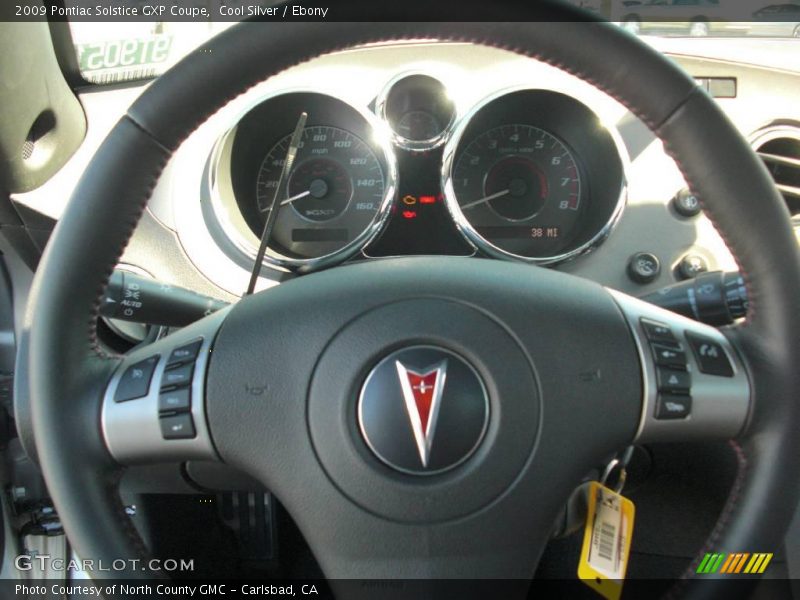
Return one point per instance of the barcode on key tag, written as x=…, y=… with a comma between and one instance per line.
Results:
x=606, y=541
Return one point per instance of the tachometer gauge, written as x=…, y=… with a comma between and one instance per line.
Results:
x=519, y=186
x=532, y=175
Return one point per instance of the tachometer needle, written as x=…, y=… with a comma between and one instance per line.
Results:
x=291, y=153
x=488, y=198
x=295, y=197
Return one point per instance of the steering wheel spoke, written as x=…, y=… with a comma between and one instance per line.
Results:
x=695, y=385
x=154, y=405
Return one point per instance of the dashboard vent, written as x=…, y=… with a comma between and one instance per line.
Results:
x=779, y=148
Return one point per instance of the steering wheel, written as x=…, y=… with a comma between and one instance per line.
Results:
x=312, y=387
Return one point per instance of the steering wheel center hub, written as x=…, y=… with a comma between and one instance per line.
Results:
x=441, y=448
x=423, y=410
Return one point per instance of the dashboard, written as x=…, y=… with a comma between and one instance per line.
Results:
x=526, y=174
x=423, y=148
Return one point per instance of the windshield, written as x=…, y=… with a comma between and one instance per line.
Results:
x=123, y=51
x=118, y=52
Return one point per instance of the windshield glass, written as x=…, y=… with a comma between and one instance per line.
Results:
x=118, y=52
x=124, y=51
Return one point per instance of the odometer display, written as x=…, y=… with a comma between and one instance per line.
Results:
x=337, y=183
x=519, y=187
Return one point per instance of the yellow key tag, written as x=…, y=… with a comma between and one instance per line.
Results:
x=606, y=541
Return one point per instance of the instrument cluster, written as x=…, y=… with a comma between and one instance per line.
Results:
x=526, y=174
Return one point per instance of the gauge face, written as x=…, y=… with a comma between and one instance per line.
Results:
x=418, y=110
x=519, y=187
x=332, y=195
x=418, y=125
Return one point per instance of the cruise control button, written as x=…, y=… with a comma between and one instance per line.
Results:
x=668, y=356
x=658, y=332
x=180, y=376
x=135, y=382
x=178, y=427
x=670, y=380
x=673, y=407
x=711, y=357
x=184, y=353
x=180, y=399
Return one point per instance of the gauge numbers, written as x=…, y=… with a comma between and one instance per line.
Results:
x=519, y=187
x=333, y=193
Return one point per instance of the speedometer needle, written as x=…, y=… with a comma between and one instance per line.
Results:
x=296, y=197
x=299, y=196
x=488, y=198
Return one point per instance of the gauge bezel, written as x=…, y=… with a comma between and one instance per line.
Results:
x=229, y=216
x=381, y=109
x=478, y=241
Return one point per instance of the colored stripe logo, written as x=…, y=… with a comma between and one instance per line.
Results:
x=734, y=563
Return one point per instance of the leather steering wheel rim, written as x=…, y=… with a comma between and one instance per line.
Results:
x=68, y=372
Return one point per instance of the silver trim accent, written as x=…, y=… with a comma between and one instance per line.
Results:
x=229, y=217
x=401, y=141
x=477, y=240
x=131, y=429
x=720, y=405
x=467, y=456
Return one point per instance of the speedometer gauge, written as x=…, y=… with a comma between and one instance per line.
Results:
x=520, y=187
x=334, y=191
x=335, y=197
